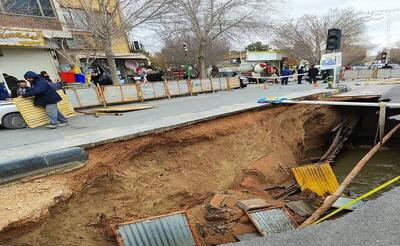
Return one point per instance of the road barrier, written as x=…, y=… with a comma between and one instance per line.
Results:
x=371, y=74
x=112, y=94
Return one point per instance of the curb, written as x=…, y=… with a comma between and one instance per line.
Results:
x=32, y=165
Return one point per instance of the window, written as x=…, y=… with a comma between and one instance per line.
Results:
x=42, y=8
x=75, y=19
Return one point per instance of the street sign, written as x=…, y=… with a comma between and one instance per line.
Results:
x=331, y=61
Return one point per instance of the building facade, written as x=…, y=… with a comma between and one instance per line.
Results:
x=28, y=29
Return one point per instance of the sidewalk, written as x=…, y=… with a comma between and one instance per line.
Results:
x=88, y=131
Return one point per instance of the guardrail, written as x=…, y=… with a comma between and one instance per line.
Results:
x=112, y=94
x=371, y=74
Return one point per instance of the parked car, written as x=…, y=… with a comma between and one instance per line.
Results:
x=10, y=117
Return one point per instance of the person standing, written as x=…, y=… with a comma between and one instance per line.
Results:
x=312, y=74
x=300, y=75
x=46, y=97
x=286, y=74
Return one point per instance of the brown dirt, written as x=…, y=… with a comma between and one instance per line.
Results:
x=181, y=169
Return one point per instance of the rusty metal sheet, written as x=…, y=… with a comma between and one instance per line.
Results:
x=301, y=208
x=317, y=178
x=172, y=229
x=269, y=222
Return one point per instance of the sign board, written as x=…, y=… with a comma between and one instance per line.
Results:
x=15, y=37
x=331, y=61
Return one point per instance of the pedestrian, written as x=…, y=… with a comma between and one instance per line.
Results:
x=45, y=75
x=285, y=74
x=312, y=74
x=46, y=97
x=19, y=89
x=300, y=75
x=3, y=92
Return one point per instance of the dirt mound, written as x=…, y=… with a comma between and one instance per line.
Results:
x=180, y=169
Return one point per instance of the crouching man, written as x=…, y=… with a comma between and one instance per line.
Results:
x=46, y=97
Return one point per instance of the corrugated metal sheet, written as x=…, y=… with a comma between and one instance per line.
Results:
x=171, y=230
x=36, y=116
x=272, y=221
x=317, y=178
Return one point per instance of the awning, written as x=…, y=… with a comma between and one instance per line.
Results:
x=118, y=56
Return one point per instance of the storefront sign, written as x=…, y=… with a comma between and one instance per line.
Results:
x=15, y=37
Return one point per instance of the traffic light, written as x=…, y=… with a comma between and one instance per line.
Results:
x=334, y=38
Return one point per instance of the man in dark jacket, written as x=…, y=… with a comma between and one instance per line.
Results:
x=312, y=74
x=46, y=97
x=300, y=74
x=3, y=92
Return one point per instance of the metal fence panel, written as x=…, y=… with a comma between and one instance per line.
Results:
x=317, y=178
x=129, y=93
x=224, y=83
x=112, y=94
x=216, y=84
x=183, y=87
x=171, y=230
x=350, y=74
x=72, y=97
x=196, y=86
x=87, y=97
x=159, y=90
x=269, y=222
x=365, y=74
x=207, y=85
x=395, y=73
x=147, y=89
x=173, y=88
x=384, y=73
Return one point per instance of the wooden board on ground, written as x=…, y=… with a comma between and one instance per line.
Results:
x=123, y=108
x=36, y=116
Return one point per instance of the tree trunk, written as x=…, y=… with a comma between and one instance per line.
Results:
x=111, y=61
x=202, y=62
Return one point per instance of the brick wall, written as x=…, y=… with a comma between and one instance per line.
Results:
x=29, y=22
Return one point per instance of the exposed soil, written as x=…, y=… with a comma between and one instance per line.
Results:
x=238, y=156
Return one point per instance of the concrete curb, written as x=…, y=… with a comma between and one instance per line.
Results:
x=32, y=165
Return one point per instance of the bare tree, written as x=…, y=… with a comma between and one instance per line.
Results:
x=305, y=37
x=174, y=54
x=208, y=20
x=354, y=54
x=86, y=44
x=109, y=20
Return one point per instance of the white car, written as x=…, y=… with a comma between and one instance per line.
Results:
x=10, y=117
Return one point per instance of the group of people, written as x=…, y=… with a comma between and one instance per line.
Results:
x=44, y=91
x=312, y=75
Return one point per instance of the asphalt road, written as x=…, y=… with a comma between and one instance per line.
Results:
x=84, y=124
x=375, y=223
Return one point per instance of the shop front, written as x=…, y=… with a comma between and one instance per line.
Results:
x=26, y=50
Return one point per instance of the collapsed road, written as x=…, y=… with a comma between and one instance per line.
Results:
x=204, y=168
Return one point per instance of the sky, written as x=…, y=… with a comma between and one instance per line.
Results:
x=376, y=29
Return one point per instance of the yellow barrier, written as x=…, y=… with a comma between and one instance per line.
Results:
x=317, y=178
x=36, y=116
